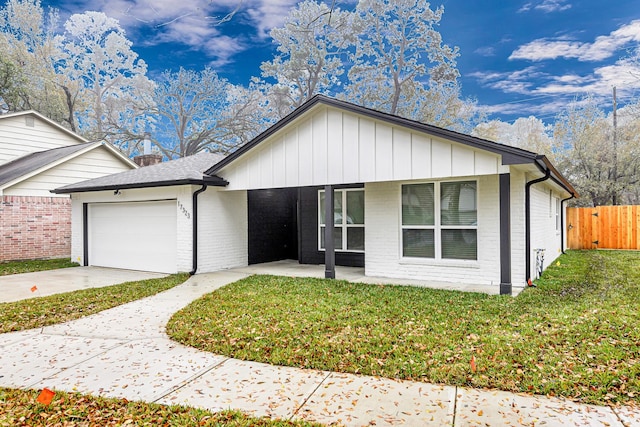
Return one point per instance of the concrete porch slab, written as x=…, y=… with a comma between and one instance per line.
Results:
x=292, y=268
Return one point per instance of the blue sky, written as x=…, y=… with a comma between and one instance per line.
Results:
x=517, y=57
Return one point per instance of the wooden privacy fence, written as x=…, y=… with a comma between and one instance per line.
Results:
x=603, y=227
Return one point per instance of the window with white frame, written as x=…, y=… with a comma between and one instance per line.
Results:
x=440, y=220
x=348, y=219
x=558, y=213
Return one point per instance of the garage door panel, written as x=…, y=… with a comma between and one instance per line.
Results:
x=137, y=236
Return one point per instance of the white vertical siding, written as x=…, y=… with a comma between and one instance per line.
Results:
x=331, y=146
x=367, y=159
x=320, y=149
x=421, y=155
x=383, y=239
x=18, y=139
x=401, y=154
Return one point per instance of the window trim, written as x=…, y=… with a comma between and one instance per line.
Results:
x=344, y=227
x=437, y=226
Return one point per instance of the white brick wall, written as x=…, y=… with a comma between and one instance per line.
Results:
x=518, y=183
x=222, y=230
x=383, y=230
x=543, y=225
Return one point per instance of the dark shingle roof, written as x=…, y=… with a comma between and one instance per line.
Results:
x=34, y=161
x=187, y=170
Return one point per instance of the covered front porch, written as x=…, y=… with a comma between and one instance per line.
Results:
x=293, y=268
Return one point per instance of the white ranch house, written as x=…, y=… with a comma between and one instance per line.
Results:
x=411, y=201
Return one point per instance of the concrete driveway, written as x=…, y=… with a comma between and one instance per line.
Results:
x=17, y=287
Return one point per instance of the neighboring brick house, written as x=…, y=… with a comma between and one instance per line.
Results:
x=410, y=201
x=36, y=156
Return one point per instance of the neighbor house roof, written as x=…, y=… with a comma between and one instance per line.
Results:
x=510, y=155
x=33, y=163
x=187, y=170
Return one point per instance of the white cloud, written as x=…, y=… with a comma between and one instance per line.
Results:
x=546, y=6
x=268, y=14
x=601, y=48
x=486, y=51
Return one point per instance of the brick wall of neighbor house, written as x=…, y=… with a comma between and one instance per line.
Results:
x=222, y=230
x=383, y=244
x=35, y=227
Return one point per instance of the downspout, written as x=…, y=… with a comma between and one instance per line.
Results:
x=562, y=221
x=194, y=227
x=527, y=214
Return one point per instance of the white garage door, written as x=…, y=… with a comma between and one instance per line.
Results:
x=135, y=236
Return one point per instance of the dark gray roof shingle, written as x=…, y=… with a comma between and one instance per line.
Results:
x=34, y=161
x=187, y=170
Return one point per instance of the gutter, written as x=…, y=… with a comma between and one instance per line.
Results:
x=562, y=221
x=194, y=227
x=527, y=214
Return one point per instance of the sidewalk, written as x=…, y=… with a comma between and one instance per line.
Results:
x=124, y=352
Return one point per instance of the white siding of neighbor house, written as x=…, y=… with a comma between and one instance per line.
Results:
x=18, y=139
x=222, y=230
x=182, y=194
x=331, y=146
x=383, y=239
x=93, y=164
x=543, y=225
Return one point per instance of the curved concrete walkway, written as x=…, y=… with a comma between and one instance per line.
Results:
x=124, y=352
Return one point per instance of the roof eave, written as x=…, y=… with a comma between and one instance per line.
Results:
x=206, y=180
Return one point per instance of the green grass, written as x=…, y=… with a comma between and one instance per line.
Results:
x=19, y=408
x=575, y=335
x=18, y=267
x=38, y=312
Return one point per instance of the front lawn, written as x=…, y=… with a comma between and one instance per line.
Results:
x=38, y=312
x=575, y=335
x=19, y=408
x=18, y=267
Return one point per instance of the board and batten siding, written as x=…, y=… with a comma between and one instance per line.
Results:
x=93, y=164
x=331, y=146
x=18, y=137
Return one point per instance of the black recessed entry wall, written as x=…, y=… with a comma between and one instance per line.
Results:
x=273, y=224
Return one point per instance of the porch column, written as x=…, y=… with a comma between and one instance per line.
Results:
x=505, y=234
x=329, y=249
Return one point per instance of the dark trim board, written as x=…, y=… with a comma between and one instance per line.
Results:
x=85, y=234
x=505, y=234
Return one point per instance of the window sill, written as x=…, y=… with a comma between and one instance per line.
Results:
x=440, y=262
